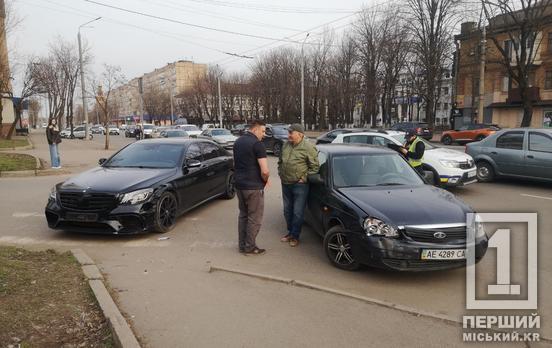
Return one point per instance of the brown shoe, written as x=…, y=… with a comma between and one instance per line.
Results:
x=293, y=242
x=286, y=238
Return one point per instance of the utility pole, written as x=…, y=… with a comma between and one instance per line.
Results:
x=83, y=89
x=303, y=82
x=219, y=101
x=480, y=108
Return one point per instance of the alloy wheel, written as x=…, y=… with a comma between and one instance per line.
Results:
x=167, y=211
x=340, y=250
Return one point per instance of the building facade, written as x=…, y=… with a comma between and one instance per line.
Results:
x=174, y=78
x=502, y=103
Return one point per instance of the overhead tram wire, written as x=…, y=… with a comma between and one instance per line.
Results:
x=188, y=24
x=284, y=9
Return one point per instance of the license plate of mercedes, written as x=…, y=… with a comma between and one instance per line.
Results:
x=443, y=254
x=81, y=217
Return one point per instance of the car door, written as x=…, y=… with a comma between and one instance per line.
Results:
x=318, y=197
x=216, y=168
x=461, y=134
x=539, y=155
x=192, y=185
x=509, y=154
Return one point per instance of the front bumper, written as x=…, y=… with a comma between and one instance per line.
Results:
x=123, y=219
x=461, y=179
x=405, y=255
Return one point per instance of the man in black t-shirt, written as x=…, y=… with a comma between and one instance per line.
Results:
x=251, y=177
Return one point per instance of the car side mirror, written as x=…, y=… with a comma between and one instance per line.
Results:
x=192, y=163
x=315, y=179
x=102, y=161
x=429, y=177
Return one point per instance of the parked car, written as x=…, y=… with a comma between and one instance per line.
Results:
x=421, y=128
x=65, y=133
x=80, y=133
x=206, y=126
x=468, y=133
x=221, y=136
x=156, y=133
x=239, y=129
x=275, y=138
x=449, y=167
x=113, y=130
x=123, y=126
x=129, y=131
x=174, y=133
x=521, y=153
x=147, y=130
x=372, y=208
x=328, y=137
x=143, y=187
x=97, y=129
x=192, y=130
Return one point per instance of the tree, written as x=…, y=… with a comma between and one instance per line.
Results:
x=111, y=78
x=34, y=109
x=157, y=102
x=523, y=22
x=431, y=23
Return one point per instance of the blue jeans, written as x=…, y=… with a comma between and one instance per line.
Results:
x=54, y=155
x=295, y=201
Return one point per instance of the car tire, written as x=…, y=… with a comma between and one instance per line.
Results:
x=230, y=191
x=165, y=213
x=277, y=149
x=447, y=140
x=479, y=137
x=485, y=172
x=338, y=250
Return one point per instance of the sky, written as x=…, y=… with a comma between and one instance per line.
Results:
x=140, y=44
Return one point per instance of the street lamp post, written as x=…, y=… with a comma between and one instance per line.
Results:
x=303, y=82
x=83, y=89
x=219, y=97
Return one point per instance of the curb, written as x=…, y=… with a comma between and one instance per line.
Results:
x=299, y=283
x=21, y=148
x=36, y=172
x=122, y=334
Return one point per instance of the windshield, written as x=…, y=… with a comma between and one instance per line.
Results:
x=190, y=128
x=280, y=130
x=147, y=155
x=148, y=126
x=367, y=170
x=400, y=138
x=176, y=133
x=220, y=132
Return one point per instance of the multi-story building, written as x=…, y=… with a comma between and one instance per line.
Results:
x=502, y=101
x=174, y=78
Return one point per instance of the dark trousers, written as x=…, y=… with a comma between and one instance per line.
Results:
x=295, y=201
x=251, y=204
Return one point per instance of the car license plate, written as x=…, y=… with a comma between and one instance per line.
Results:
x=81, y=217
x=443, y=254
x=472, y=174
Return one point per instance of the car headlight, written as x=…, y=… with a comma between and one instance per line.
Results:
x=376, y=227
x=53, y=193
x=136, y=197
x=450, y=163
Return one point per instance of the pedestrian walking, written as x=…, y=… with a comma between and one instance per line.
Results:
x=138, y=132
x=251, y=177
x=414, y=150
x=298, y=159
x=54, y=138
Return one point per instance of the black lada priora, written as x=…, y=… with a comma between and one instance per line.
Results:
x=373, y=209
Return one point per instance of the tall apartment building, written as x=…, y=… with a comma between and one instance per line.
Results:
x=502, y=101
x=174, y=78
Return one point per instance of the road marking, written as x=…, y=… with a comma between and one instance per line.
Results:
x=25, y=215
x=533, y=196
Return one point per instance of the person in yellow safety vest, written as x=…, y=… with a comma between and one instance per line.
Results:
x=414, y=150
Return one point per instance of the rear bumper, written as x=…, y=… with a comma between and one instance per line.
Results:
x=124, y=219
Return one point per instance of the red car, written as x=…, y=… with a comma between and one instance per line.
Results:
x=468, y=133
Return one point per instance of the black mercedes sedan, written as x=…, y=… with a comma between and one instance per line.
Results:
x=372, y=208
x=143, y=187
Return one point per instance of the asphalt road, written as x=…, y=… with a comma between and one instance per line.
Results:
x=171, y=300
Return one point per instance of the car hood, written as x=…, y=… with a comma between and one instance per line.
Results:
x=115, y=180
x=412, y=205
x=224, y=138
x=449, y=154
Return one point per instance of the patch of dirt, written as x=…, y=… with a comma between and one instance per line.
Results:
x=45, y=301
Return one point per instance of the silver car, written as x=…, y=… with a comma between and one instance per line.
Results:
x=521, y=152
x=221, y=136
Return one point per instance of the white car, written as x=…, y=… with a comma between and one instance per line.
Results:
x=207, y=126
x=79, y=132
x=113, y=130
x=147, y=129
x=221, y=136
x=192, y=130
x=449, y=167
x=66, y=133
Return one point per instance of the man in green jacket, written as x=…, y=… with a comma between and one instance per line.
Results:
x=298, y=159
